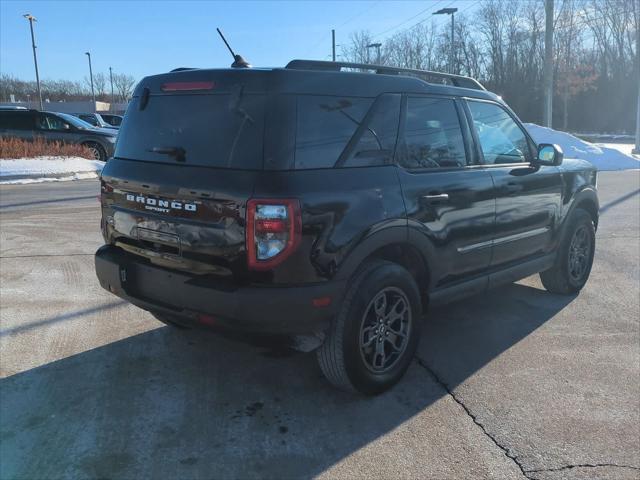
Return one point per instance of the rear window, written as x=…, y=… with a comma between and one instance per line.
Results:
x=214, y=130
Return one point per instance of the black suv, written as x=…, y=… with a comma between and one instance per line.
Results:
x=57, y=127
x=336, y=205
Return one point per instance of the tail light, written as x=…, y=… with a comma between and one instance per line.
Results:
x=273, y=231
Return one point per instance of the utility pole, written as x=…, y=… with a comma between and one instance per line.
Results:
x=32, y=19
x=548, y=64
x=333, y=45
x=93, y=95
x=450, y=11
x=111, y=79
x=453, y=39
x=636, y=150
x=377, y=47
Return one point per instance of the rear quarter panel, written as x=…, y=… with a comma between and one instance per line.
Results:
x=341, y=208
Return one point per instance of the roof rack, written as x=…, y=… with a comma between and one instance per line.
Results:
x=455, y=80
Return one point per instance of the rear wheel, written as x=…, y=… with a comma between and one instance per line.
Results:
x=372, y=340
x=97, y=151
x=575, y=256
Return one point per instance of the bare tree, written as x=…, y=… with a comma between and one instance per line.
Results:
x=124, y=84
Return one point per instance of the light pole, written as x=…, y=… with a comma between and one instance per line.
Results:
x=93, y=95
x=111, y=79
x=333, y=45
x=377, y=47
x=450, y=11
x=32, y=19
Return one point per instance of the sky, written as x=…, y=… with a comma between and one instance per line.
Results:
x=148, y=37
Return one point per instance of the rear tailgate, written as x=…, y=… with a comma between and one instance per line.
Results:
x=190, y=218
x=186, y=160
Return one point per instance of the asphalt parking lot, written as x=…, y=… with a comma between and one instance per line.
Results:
x=517, y=383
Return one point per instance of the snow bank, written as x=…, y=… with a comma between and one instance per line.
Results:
x=602, y=156
x=44, y=169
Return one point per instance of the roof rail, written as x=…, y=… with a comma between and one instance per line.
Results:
x=182, y=69
x=455, y=80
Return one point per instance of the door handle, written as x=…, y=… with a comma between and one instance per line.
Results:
x=439, y=196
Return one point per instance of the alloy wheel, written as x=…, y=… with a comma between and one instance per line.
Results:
x=384, y=330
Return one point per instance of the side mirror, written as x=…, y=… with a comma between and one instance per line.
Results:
x=549, y=154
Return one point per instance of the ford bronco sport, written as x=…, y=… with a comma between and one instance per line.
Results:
x=335, y=201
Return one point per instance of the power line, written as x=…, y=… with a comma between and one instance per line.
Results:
x=407, y=20
x=349, y=20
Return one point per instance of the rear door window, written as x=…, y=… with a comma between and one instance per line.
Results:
x=215, y=130
x=17, y=120
x=432, y=134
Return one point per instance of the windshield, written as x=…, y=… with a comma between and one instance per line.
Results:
x=75, y=121
x=215, y=130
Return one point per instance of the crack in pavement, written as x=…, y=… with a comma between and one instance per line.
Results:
x=582, y=465
x=506, y=451
x=473, y=417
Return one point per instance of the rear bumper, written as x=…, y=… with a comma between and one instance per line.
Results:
x=281, y=310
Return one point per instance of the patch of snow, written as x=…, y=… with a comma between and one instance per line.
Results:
x=47, y=169
x=66, y=178
x=625, y=148
x=603, y=156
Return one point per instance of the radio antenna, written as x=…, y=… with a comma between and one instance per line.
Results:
x=238, y=61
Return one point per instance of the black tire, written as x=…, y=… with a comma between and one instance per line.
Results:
x=574, y=260
x=97, y=150
x=170, y=321
x=344, y=356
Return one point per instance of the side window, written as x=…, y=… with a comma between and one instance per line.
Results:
x=16, y=120
x=324, y=127
x=376, y=137
x=51, y=122
x=89, y=119
x=501, y=138
x=432, y=134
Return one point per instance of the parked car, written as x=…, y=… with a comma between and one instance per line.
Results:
x=55, y=126
x=336, y=205
x=111, y=119
x=94, y=119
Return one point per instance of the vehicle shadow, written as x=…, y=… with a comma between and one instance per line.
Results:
x=176, y=404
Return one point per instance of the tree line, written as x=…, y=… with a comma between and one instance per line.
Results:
x=68, y=90
x=596, y=61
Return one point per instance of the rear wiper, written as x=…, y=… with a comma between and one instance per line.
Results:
x=235, y=107
x=178, y=153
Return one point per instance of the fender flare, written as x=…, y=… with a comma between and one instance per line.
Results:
x=585, y=195
x=383, y=237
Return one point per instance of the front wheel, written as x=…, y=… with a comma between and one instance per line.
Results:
x=373, y=338
x=575, y=256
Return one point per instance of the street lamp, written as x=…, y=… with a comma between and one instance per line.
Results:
x=111, y=78
x=93, y=95
x=377, y=47
x=449, y=11
x=32, y=19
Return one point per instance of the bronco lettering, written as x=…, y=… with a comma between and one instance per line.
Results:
x=154, y=203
